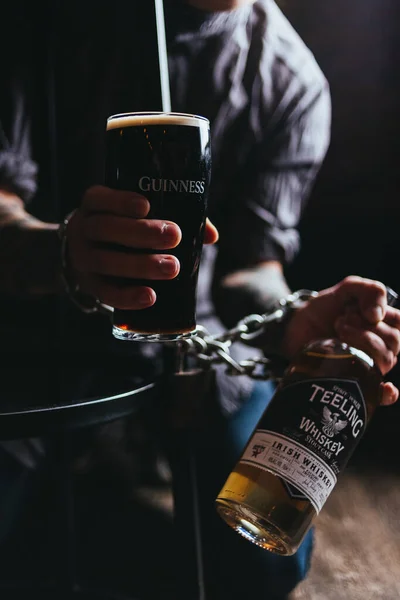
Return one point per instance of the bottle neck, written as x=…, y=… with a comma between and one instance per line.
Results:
x=334, y=347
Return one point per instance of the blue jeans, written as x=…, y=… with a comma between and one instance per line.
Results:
x=235, y=568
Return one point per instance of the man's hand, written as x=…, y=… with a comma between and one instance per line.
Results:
x=355, y=311
x=109, y=222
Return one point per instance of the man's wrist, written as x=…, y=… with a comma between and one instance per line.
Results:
x=70, y=285
x=271, y=332
x=85, y=302
x=275, y=339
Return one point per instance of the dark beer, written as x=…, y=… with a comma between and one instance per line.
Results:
x=167, y=159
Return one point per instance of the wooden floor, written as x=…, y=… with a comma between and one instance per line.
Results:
x=357, y=538
x=357, y=549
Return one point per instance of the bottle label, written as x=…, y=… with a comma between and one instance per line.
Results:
x=308, y=433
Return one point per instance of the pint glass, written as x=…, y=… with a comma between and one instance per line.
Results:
x=165, y=157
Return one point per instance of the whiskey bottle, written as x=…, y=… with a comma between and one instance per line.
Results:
x=301, y=444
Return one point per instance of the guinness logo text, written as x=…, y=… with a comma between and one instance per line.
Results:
x=147, y=184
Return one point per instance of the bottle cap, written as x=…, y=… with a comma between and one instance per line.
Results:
x=392, y=297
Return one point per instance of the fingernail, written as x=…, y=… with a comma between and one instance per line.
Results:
x=375, y=314
x=169, y=265
x=168, y=231
x=145, y=298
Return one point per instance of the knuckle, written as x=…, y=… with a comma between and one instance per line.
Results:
x=351, y=280
x=378, y=287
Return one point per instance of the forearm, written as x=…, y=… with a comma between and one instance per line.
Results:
x=29, y=251
x=254, y=290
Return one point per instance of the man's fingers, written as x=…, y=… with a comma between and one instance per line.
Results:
x=390, y=336
x=126, y=265
x=369, y=342
x=98, y=199
x=124, y=297
x=370, y=296
x=392, y=317
x=388, y=333
x=390, y=393
x=132, y=233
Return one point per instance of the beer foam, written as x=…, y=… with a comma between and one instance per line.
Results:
x=140, y=119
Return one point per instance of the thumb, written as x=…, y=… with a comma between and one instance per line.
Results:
x=211, y=233
x=389, y=393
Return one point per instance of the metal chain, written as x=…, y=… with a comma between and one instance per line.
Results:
x=210, y=349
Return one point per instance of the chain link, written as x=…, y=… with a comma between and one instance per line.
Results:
x=210, y=349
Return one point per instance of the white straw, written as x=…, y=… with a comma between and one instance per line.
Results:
x=162, y=56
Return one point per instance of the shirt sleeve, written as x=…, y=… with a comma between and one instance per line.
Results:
x=18, y=172
x=277, y=179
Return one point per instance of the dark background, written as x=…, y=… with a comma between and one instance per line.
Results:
x=351, y=223
x=353, y=213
